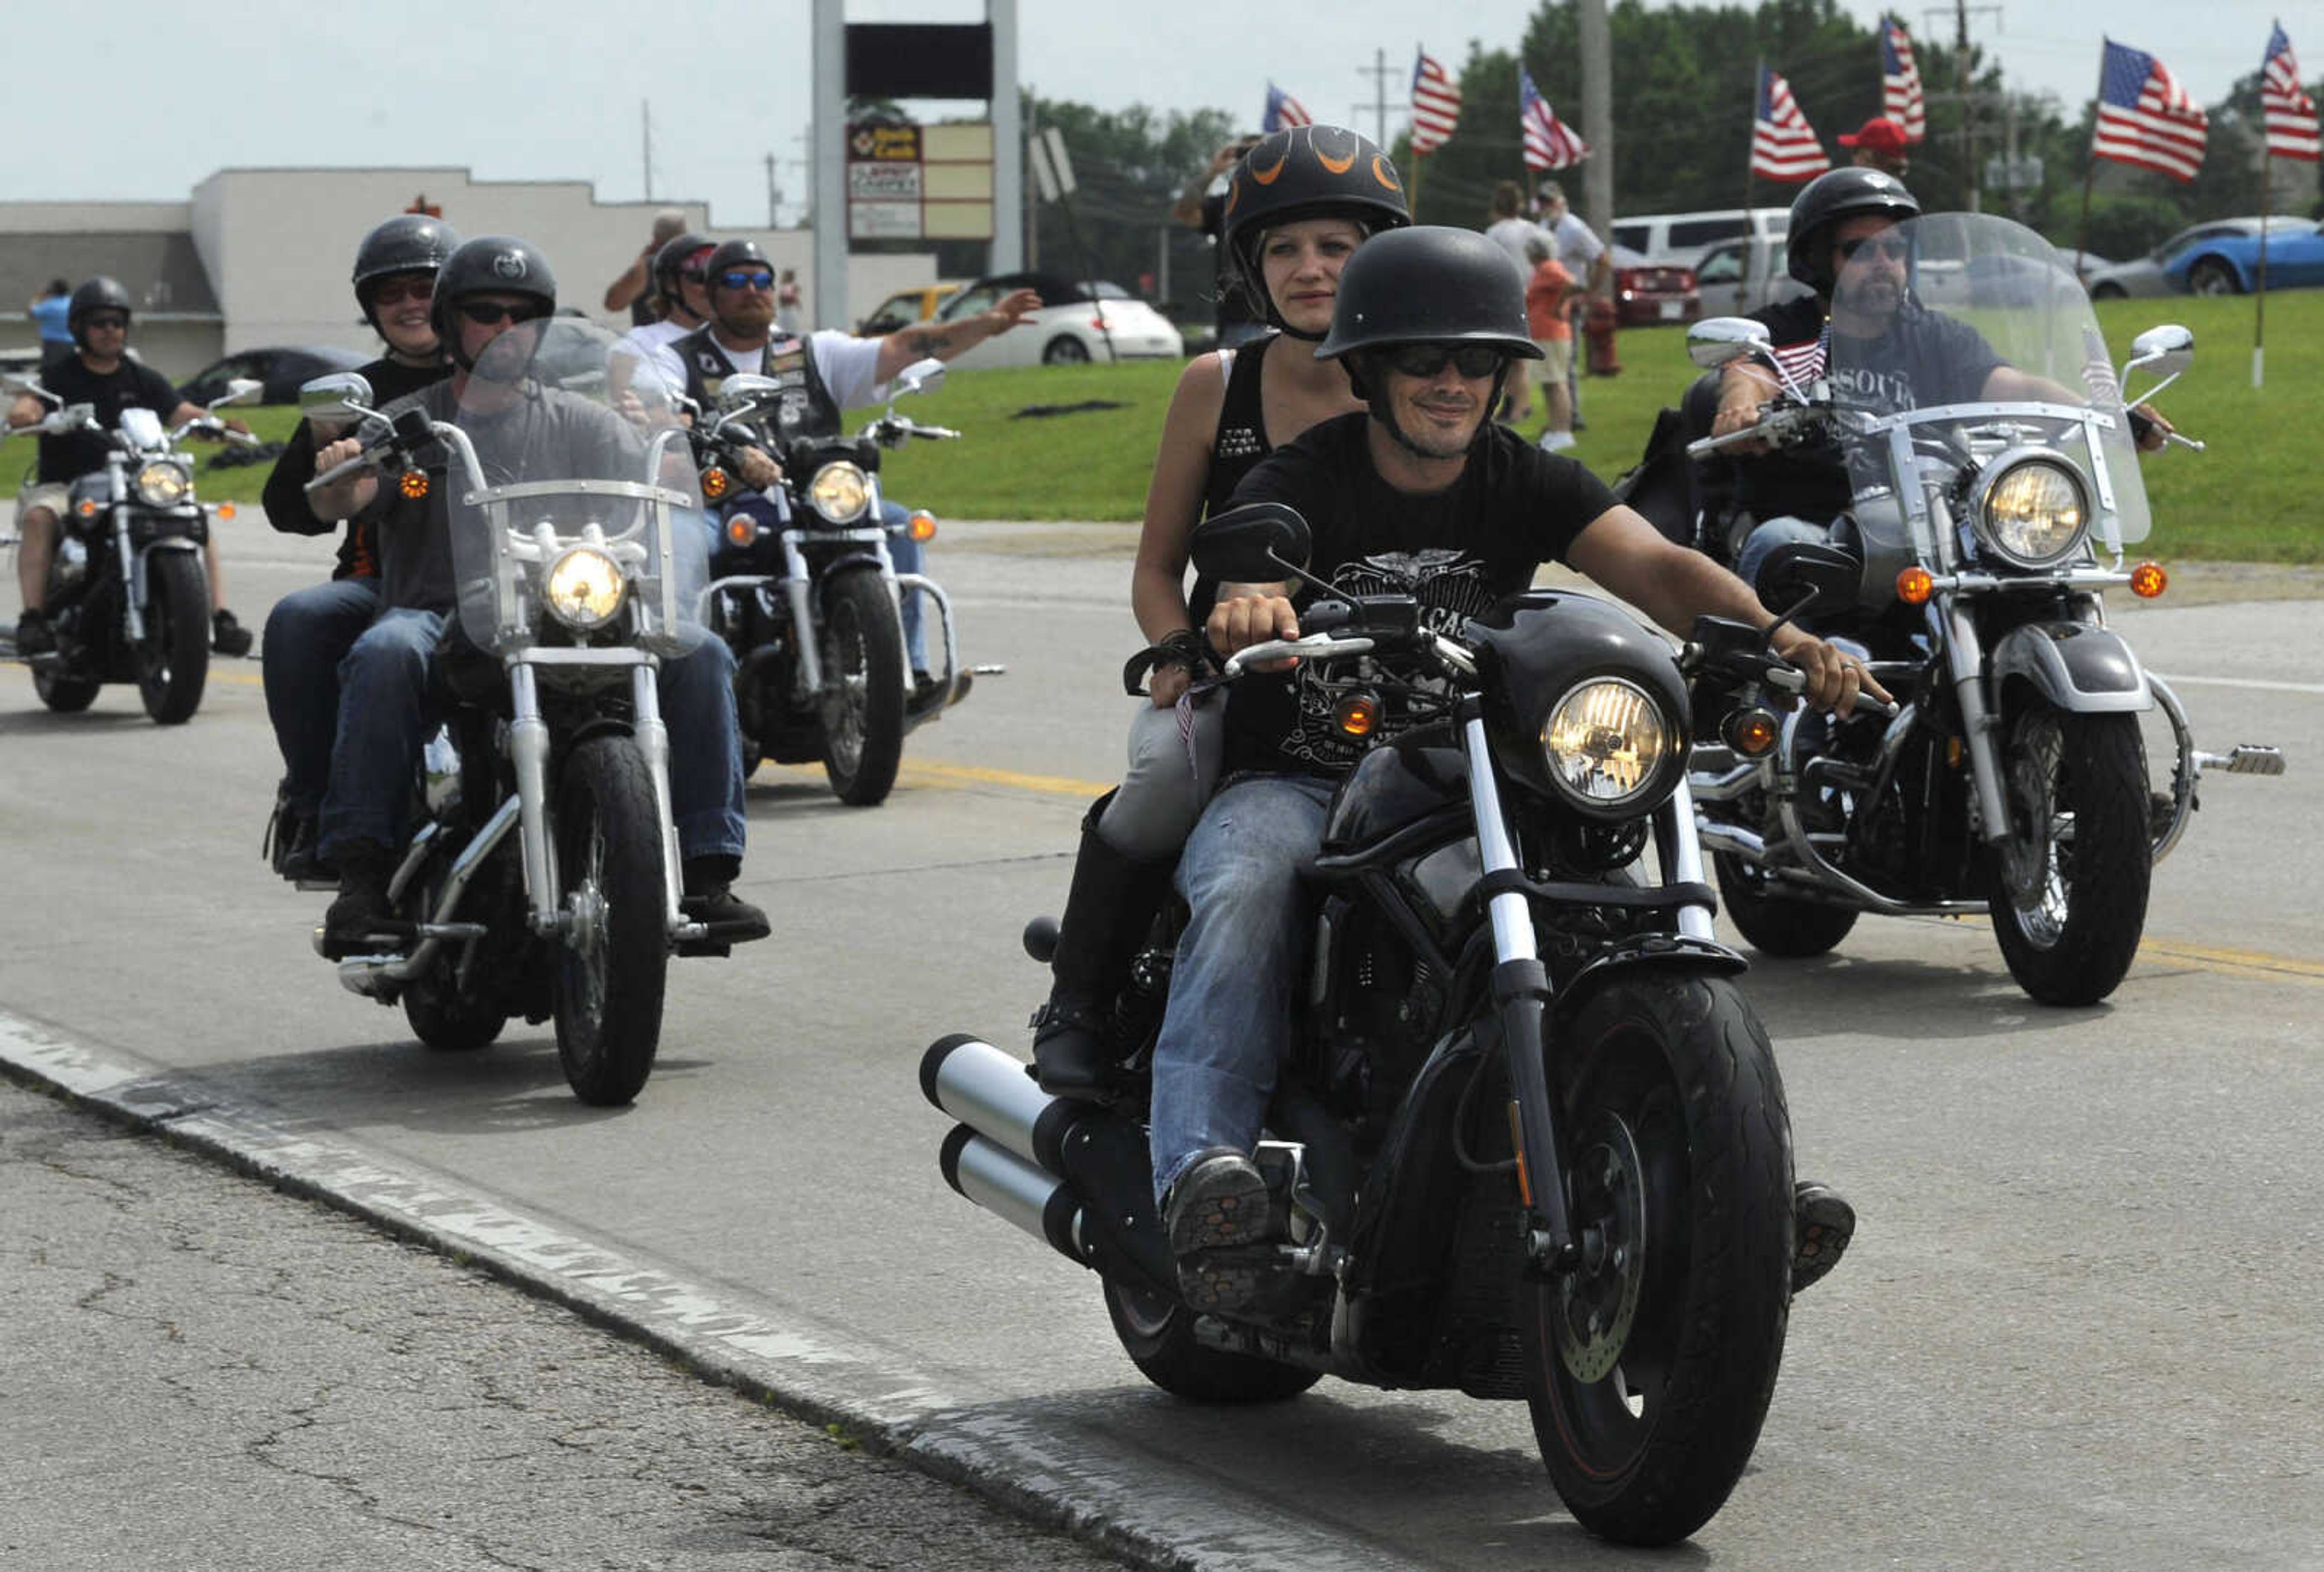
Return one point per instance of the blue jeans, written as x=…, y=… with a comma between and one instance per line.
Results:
x=1236, y=980
x=308, y=635
x=1761, y=542
x=386, y=713
x=907, y=555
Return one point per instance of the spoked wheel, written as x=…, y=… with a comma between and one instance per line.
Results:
x=1653, y=1360
x=862, y=697
x=1157, y=1333
x=173, y=662
x=615, y=958
x=1776, y=924
x=2069, y=884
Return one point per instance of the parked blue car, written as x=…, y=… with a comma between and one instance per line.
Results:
x=2220, y=257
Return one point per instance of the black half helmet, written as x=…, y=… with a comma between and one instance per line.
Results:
x=407, y=243
x=670, y=260
x=1430, y=284
x=493, y=264
x=96, y=295
x=1309, y=172
x=735, y=253
x=1842, y=193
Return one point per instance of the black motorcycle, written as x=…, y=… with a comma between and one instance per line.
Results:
x=807, y=594
x=1531, y=1143
x=128, y=595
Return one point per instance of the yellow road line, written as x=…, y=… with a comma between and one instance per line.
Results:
x=2248, y=963
x=946, y=776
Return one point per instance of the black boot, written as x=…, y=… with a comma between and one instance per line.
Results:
x=34, y=636
x=362, y=917
x=708, y=898
x=1108, y=912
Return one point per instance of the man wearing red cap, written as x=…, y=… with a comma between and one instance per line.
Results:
x=1879, y=144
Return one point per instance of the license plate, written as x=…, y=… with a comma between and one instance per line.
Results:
x=1672, y=311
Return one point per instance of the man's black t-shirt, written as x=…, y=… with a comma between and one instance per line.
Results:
x=1459, y=550
x=130, y=385
x=285, y=496
x=1925, y=358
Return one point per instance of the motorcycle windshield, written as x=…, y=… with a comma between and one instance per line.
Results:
x=570, y=523
x=1925, y=317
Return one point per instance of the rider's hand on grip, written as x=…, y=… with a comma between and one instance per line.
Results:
x=1252, y=617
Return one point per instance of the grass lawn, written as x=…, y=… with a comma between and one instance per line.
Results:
x=2253, y=496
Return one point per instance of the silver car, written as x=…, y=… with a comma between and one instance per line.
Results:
x=2149, y=275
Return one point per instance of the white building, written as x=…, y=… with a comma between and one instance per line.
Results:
x=262, y=256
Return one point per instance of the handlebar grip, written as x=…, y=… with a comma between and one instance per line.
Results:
x=367, y=459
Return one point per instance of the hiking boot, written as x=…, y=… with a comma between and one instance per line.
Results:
x=1212, y=1215
x=710, y=900
x=34, y=636
x=1822, y=1223
x=227, y=635
x=362, y=920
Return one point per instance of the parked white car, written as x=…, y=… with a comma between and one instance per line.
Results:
x=1069, y=328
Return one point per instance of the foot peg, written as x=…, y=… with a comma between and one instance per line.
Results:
x=2243, y=759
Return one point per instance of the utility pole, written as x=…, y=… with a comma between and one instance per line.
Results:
x=1597, y=116
x=1961, y=95
x=1379, y=72
x=774, y=197
x=645, y=119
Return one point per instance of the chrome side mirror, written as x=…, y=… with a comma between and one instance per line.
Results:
x=1716, y=341
x=2169, y=350
x=334, y=405
x=744, y=389
x=921, y=377
x=241, y=390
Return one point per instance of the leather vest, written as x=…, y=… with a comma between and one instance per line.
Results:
x=805, y=408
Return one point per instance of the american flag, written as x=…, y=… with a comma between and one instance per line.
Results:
x=2292, y=129
x=1549, y=142
x=1784, y=145
x=2145, y=117
x=1435, y=106
x=1900, y=82
x=1283, y=111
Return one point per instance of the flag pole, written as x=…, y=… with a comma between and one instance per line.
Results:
x=1412, y=192
x=2259, y=299
x=1750, y=161
x=2090, y=172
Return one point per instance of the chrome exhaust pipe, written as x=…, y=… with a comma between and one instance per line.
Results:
x=993, y=1094
x=1012, y=1189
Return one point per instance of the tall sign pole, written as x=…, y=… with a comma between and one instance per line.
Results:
x=1597, y=116
x=828, y=161
x=1008, y=252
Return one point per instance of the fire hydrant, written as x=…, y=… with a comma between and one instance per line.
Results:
x=1599, y=326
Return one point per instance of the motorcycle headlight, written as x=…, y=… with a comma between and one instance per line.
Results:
x=2034, y=512
x=1605, y=741
x=584, y=588
x=164, y=483
x=840, y=492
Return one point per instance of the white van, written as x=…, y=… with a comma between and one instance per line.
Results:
x=1737, y=254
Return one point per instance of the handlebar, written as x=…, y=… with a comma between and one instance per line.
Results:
x=1791, y=679
x=1782, y=425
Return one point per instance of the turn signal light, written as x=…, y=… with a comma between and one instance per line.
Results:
x=1356, y=715
x=716, y=483
x=923, y=525
x=412, y=483
x=1914, y=586
x=226, y=511
x=741, y=529
x=2148, y=580
x=86, y=508
x=1751, y=732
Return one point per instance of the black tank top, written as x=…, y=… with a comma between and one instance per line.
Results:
x=1237, y=445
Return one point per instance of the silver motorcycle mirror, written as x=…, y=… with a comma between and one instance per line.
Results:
x=744, y=389
x=2167, y=350
x=241, y=390
x=335, y=404
x=921, y=377
x=26, y=387
x=1716, y=341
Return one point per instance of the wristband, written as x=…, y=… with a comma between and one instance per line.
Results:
x=1184, y=648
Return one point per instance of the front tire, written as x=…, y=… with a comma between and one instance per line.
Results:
x=1157, y=1333
x=2211, y=276
x=615, y=958
x=1777, y=925
x=2067, y=888
x=862, y=697
x=174, y=663
x=1065, y=350
x=1652, y=1363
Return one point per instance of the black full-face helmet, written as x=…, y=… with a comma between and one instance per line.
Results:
x=490, y=264
x=670, y=262
x=407, y=243
x=1309, y=172
x=98, y=294
x=1842, y=193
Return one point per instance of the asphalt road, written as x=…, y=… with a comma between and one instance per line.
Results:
x=2078, y=1324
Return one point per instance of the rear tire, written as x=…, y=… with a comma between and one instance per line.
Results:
x=2069, y=906
x=614, y=960
x=1651, y=1367
x=173, y=662
x=1777, y=925
x=1065, y=350
x=863, y=700
x=1159, y=1335
x=2211, y=276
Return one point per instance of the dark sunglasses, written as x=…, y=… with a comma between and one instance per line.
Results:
x=113, y=319
x=396, y=291
x=746, y=281
x=484, y=313
x=1427, y=360
x=1896, y=248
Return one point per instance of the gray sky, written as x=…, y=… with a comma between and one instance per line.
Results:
x=171, y=93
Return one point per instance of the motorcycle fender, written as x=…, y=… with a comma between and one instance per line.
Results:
x=1654, y=949
x=829, y=572
x=2076, y=667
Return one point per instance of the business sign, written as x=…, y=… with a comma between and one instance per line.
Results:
x=919, y=183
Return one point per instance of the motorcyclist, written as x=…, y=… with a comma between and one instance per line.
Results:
x=1285, y=240
x=101, y=373
x=682, y=284
x=489, y=294
x=1424, y=494
x=824, y=375
x=311, y=631
x=1907, y=357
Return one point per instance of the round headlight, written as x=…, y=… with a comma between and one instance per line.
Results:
x=584, y=588
x=840, y=492
x=164, y=483
x=2034, y=512
x=1606, y=742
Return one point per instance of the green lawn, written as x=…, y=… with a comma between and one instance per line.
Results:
x=2253, y=496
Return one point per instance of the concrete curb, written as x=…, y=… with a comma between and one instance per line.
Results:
x=1089, y=1487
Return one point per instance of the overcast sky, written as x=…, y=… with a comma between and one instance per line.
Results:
x=140, y=100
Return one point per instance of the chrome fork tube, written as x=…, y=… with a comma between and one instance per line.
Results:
x=795, y=587
x=654, y=742
x=1965, y=658
x=1512, y=918
x=1680, y=847
x=529, y=752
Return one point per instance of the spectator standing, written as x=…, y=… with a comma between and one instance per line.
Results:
x=787, y=301
x=1879, y=144
x=633, y=290
x=49, y=311
x=1591, y=304
x=1512, y=231
x=1552, y=335
x=1203, y=206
